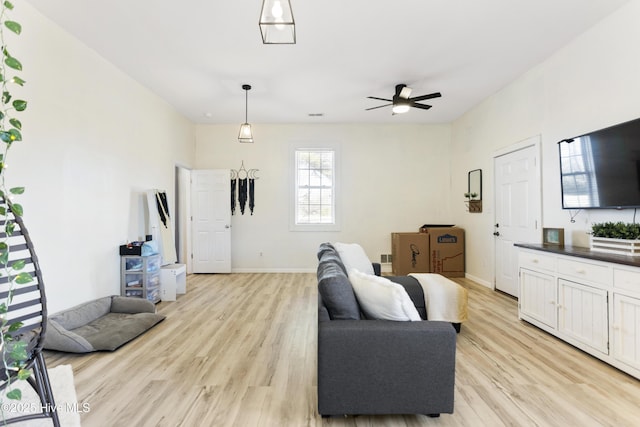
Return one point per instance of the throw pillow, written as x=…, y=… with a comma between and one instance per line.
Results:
x=336, y=292
x=353, y=256
x=380, y=298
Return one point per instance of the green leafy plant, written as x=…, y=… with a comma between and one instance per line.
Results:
x=470, y=196
x=616, y=230
x=13, y=352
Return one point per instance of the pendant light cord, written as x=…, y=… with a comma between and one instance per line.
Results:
x=246, y=88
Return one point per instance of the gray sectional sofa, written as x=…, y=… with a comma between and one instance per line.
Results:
x=368, y=366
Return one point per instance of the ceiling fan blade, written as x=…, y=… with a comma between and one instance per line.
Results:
x=379, y=99
x=379, y=106
x=421, y=106
x=399, y=88
x=430, y=96
x=405, y=92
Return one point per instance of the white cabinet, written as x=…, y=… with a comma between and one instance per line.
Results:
x=626, y=330
x=589, y=300
x=538, y=296
x=582, y=314
x=173, y=280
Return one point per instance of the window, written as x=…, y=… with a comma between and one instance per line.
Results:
x=579, y=181
x=315, y=189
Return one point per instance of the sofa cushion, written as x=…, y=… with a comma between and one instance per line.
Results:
x=325, y=248
x=353, y=256
x=380, y=298
x=336, y=291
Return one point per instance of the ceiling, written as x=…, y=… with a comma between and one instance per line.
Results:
x=196, y=54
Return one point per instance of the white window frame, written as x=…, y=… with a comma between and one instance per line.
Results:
x=335, y=226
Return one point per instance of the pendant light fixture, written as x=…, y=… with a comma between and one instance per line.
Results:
x=246, y=135
x=277, y=25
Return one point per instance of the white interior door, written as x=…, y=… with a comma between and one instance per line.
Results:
x=211, y=224
x=518, y=209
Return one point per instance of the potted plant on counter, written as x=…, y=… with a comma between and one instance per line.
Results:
x=616, y=237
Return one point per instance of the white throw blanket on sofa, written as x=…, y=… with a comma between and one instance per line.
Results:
x=444, y=298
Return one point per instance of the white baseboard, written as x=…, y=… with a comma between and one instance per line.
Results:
x=479, y=281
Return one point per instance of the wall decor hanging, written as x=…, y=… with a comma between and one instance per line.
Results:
x=245, y=181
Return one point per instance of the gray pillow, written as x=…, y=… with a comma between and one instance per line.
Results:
x=336, y=292
x=325, y=248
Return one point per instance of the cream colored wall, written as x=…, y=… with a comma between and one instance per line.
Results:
x=589, y=84
x=94, y=141
x=394, y=178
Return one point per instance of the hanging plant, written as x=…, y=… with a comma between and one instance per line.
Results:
x=13, y=352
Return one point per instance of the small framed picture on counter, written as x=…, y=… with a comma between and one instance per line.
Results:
x=553, y=236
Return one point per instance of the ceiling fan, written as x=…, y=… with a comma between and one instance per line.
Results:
x=402, y=100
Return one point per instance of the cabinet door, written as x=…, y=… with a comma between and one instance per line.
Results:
x=582, y=314
x=626, y=329
x=538, y=296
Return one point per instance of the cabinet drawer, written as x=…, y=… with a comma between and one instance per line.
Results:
x=537, y=261
x=153, y=279
x=586, y=271
x=626, y=279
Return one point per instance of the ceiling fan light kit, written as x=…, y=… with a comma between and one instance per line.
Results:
x=277, y=25
x=400, y=107
x=402, y=102
x=245, y=134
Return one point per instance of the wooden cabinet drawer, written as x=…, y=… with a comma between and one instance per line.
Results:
x=586, y=271
x=626, y=279
x=537, y=261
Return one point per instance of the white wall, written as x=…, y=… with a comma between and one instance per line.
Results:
x=589, y=84
x=94, y=141
x=394, y=178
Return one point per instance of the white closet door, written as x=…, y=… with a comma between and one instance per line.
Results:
x=211, y=220
x=518, y=211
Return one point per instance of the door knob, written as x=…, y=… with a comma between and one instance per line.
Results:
x=497, y=233
x=227, y=226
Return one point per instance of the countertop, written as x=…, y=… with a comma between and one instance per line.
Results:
x=581, y=252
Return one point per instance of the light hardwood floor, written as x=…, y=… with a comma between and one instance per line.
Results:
x=240, y=350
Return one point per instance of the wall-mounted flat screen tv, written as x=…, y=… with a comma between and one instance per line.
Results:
x=601, y=170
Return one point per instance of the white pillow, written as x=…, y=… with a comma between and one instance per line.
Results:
x=353, y=256
x=380, y=298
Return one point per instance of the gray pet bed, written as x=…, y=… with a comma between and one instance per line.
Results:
x=103, y=324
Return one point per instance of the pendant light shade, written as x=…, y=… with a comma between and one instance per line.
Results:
x=277, y=25
x=246, y=135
